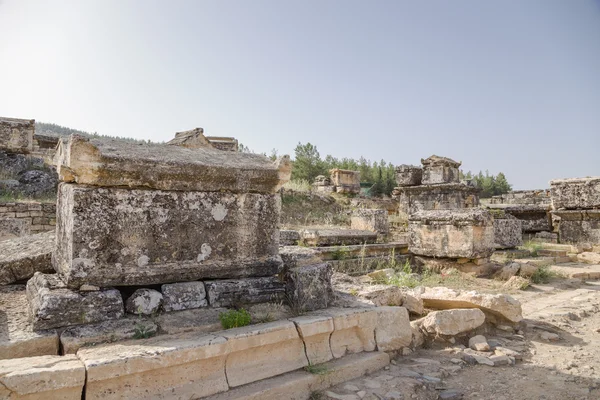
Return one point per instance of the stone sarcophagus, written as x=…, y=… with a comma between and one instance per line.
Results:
x=578, y=226
x=16, y=135
x=466, y=233
x=575, y=193
x=131, y=214
x=345, y=181
x=438, y=170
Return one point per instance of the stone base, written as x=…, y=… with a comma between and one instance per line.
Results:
x=534, y=218
x=337, y=237
x=370, y=220
x=578, y=226
x=507, y=233
x=236, y=292
x=466, y=233
x=122, y=237
x=20, y=258
x=308, y=288
x=52, y=305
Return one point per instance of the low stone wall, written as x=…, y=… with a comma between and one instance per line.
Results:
x=40, y=216
x=541, y=196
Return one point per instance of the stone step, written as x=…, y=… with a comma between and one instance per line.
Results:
x=577, y=270
x=510, y=254
x=552, y=253
x=337, y=237
x=537, y=261
x=299, y=385
x=366, y=250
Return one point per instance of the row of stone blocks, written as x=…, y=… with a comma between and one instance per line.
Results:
x=196, y=366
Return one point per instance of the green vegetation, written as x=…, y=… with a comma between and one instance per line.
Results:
x=544, y=275
x=320, y=369
x=235, y=318
x=532, y=247
x=490, y=185
x=44, y=128
x=142, y=332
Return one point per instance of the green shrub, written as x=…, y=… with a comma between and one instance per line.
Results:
x=543, y=275
x=234, y=318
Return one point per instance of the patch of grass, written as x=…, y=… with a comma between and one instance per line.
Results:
x=316, y=396
x=404, y=280
x=299, y=185
x=142, y=332
x=320, y=369
x=341, y=253
x=354, y=292
x=268, y=317
x=451, y=278
x=532, y=247
x=235, y=318
x=544, y=275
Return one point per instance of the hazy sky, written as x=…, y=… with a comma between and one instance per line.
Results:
x=511, y=85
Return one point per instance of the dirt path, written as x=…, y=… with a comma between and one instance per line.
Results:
x=560, y=349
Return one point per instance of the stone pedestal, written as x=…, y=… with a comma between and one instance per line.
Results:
x=467, y=233
x=578, y=226
x=370, y=220
x=576, y=193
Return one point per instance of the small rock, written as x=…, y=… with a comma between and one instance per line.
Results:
x=372, y=384
x=89, y=288
x=500, y=360
x=456, y=361
x=336, y=396
x=393, y=395
x=479, y=343
x=361, y=394
x=351, y=388
x=144, y=302
x=503, y=351
x=549, y=336
x=450, y=394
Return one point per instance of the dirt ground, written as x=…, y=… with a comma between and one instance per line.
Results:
x=566, y=366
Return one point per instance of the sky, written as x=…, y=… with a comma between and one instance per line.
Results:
x=508, y=86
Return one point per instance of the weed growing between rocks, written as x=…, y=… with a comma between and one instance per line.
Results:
x=544, y=275
x=320, y=369
x=235, y=318
x=532, y=247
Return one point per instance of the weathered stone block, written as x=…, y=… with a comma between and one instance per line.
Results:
x=345, y=181
x=184, y=296
x=507, y=233
x=20, y=258
x=436, y=197
x=578, y=226
x=42, y=378
x=233, y=292
x=370, y=220
x=16, y=135
x=298, y=256
x=289, y=237
x=308, y=288
x=14, y=227
x=179, y=367
x=52, y=305
x=541, y=196
x=409, y=175
x=392, y=331
x=337, y=237
x=452, y=322
x=315, y=331
x=119, y=237
x=575, y=193
x=262, y=351
x=354, y=330
x=467, y=233
x=119, y=163
x=223, y=143
x=144, y=302
x=440, y=170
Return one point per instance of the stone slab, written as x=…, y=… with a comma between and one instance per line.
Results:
x=575, y=193
x=183, y=296
x=183, y=366
x=201, y=320
x=354, y=330
x=466, y=233
x=360, y=251
x=533, y=217
x=315, y=331
x=42, y=378
x=333, y=237
x=20, y=258
x=76, y=337
x=288, y=237
x=235, y=292
x=16, y=135
x=577, y=270
x=578, y=226
x=110, y=162
x=53, y=305
x=115, y=237
x=392, y=331
x=17, y=338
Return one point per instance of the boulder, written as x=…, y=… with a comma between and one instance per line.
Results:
x=144, y=302
x=452, y=322
x=508, y=271
x=500, y=306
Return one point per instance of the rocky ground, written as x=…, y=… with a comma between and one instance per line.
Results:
x=558, y=348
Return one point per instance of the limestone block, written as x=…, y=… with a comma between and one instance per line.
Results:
x=533, y=217
x=499, y=305
x=17, y=338
x=198, y=320
x=467, y=233
x=315, y=331
x=76, y=337
x=16, y=135
x=288, y=237
x=578, y=226
x=14, y=227
x=337, y=237
x=575, y=193
x=452, y=322
x=308, y=288
x=124, y=237
x=52, y=305
x=257, y=352
x=298, y=256
x=21, y=257
x=144, y=302
x=436, y=197
x=233, y=292
x=409, y=175
x=507, y=233
x=118, y=163
x=345, y=181
x=173, y=367
x=192, y=139
x=589, y=258
x=184, y=296
x=370, y=220
x=440, y=170
x=354, y=330
x=392, y=331
x=223, y=143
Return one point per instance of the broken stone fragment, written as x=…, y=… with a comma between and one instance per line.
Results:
x=183, y=296
x=144, y=302
x=53, y=305
x=118, y=163
x=298, y=256
x=11, y=228
x=479, y=343
x=393, y=331
x=452, y=322
x=235, y=292
x=125, y=237
x=308, y=288
x=288, y=237
x=21, y=257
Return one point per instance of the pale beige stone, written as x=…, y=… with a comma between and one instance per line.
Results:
x=452, y=322
x=499, y=305
x=354, y=330
x=42, y=378
x=589, y=257
x=261, y=351
x=315, y=331
x=393, y=330
x=186, y=366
